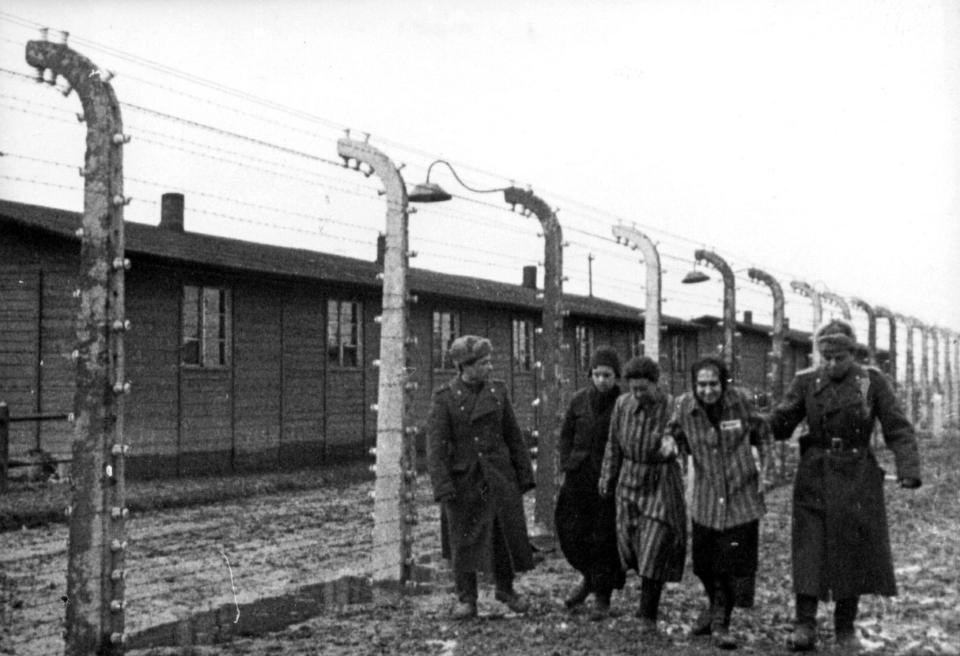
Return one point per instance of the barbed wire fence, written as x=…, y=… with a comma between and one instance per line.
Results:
x=181, y=577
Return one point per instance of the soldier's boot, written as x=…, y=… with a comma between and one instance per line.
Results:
x=512, y=600
x=601, y=605
x=844, y=613
x=804, y=635
x=466, y=587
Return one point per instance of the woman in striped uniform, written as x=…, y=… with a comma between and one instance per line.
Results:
x=717, y=425
x=651, y=520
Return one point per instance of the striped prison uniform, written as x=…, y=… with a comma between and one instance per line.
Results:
x=727, y=487
x=651, y=518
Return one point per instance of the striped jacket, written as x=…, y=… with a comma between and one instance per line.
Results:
x=726, y=488
x=651, y=518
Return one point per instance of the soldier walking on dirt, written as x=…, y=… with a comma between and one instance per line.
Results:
x=586, y=524
x=841, y=547
x=651, y=517
x=717, y=426
x=480, y=468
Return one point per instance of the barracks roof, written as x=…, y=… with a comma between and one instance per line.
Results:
x=251, y=257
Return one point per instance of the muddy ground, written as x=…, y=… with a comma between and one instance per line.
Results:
x=180, y=563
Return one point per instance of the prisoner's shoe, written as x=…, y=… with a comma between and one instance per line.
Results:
x=848, y=642
x=578, y=596
x=648, y=627
x=601, y=608
x=702, y=625
x=722, y=638
x=803, y=638
x=512, y=600
x=464, y=610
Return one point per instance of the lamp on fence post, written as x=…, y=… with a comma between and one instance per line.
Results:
x=729, y=302
x=94, y=614
x=891, y=318
x=551, y=395
x=394, y=508
x=651, y=313
x=804, y=289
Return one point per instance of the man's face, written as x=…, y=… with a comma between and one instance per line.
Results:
x=641, y=387
x=479, y=370
x=708, y=387
x=835, y=361
x=603, y=378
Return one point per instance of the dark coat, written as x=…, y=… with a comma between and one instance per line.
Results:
x=480, y=468
x=586, y=524
x=840, y=538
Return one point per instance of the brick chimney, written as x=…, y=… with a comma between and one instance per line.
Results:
x=748, y=317
x=530, y=277
x=171, y=212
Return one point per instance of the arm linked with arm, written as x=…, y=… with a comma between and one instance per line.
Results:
x=612, y=456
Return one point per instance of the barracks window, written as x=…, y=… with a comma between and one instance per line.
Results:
x=205, y=327
x=446, y=328
x=636, y=344
x=678, y=353
x=523, y=346
x=584, y=336
x=344, y=333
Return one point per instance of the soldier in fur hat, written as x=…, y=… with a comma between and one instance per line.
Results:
x=480, y=468
x=841, y=547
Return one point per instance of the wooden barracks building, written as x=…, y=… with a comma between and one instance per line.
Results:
x=244, y=356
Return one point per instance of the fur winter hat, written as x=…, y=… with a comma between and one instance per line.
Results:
x=837, y=333
x=469, y=348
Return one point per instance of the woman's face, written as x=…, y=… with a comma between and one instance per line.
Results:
x=708, y=387
x=641, y=387
x=603, y=378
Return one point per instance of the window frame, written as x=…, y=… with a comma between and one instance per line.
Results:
x=584, y=338
x=448, y=322
x=355, y=331
x=201, y=327
x=523, y=360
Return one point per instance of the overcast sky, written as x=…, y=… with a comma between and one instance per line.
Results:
x=817, y=139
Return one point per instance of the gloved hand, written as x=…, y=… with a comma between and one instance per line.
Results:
x=910, y=483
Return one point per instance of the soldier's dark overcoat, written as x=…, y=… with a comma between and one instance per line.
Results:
x=840, y=538
x=476, y=451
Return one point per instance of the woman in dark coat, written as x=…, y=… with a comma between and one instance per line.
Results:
x=479, y=468
x=586, y=524
x=651, y=517
x=841, y=548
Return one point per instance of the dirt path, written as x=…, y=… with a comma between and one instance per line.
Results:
x=177, y=563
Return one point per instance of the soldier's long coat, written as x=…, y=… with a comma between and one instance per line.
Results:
x=476, y=451
x=840, y=537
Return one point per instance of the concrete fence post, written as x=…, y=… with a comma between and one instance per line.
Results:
x=394, y=507
x=551, y=394
x=95, y=561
